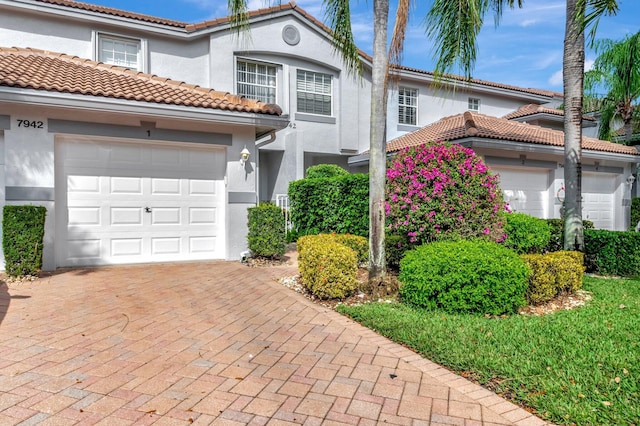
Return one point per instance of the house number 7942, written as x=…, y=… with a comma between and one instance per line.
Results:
x=31, y=124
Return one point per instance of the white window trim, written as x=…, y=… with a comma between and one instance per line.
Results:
x=408, y=106
x=278, y=67
x=142, y=54
x=469, y=104
x=331, y=94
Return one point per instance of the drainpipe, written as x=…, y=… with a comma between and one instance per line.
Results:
x=260, y=142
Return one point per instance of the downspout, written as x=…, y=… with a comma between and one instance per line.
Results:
x=260, y=142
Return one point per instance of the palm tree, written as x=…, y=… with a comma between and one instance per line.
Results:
x=454, y=26
x=338, y=16
x=616, y=71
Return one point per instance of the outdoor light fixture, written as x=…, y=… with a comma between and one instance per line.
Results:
x=244, y=155
x=631, y=179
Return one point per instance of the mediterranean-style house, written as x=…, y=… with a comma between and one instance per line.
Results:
x=147, y=139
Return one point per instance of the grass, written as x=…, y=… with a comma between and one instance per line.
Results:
x=573, y=367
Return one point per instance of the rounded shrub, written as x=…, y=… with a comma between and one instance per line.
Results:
x=325, y=171
x=328, y=269
x=355, y=242
x=267, y=236
x=526, y=234
x=474, y=276
x=553, y=274
x=439, y=190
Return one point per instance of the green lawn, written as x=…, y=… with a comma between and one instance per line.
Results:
x=580, y=366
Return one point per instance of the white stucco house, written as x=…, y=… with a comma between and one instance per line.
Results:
x=110, y=120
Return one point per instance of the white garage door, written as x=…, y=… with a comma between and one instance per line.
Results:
x=598, y=191
x=132, y=203
x=526, y=190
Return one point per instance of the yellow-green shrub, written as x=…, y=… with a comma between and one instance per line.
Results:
x=359, y=244
x=328, y=269
x=552, y=274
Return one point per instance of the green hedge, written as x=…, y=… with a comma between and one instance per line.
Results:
x=612, y=252
x=635, y=213
x=338, y=205
x=22, y=239
x=556, y=226
x=475, y=276
x=526, y=234
x=267, y=236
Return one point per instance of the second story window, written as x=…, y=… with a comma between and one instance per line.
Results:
x=314, y=92
x=123, y=52
x=257, y=81
x=407, y=106
x=474, y=104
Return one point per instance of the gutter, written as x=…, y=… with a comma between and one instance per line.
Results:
x=120, y=106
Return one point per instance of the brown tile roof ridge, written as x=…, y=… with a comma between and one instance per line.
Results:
x=115, y=12
x=52, y=71
x=471, y=124
x=291, y=5
x=533, y=91
x=531, y=109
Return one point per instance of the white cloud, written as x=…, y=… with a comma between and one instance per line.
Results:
x=556, y=78
x=588, y=64
x=528, y=22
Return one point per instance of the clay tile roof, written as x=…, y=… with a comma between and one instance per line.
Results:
x=476, y=125
x=532, y=109
x=56, y=72
x=115, y=12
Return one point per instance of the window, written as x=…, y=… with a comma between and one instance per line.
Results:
x=314, y=92
x=123, y=52
x=407, y=106
x=474, y=104
x=257, y=81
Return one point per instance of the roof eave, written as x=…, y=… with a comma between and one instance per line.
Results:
x=475, y=142
x=96, y=103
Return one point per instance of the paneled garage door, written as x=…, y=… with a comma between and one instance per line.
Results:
x=526, y=191
x=598, y=191
x=132, y=203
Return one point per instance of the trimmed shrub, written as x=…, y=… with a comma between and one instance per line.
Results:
x=612, y=252
x=330, y=205
x=325, y=171
x=476, y=276
x=553, y=274
x=526, y=234
x=357, y=243
x=267, y=237
x=635, y=213
x=439, y=190
x=22, y=239
x=328, y=269
x=395, y=247
x=556, y=226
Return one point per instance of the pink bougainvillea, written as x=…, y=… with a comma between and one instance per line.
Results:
x=442, y=190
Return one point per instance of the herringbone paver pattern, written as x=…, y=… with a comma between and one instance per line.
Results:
x=211, y=343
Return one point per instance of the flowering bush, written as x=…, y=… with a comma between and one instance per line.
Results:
x=441, y=191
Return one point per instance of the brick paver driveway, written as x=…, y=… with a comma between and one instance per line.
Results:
x=211, y=343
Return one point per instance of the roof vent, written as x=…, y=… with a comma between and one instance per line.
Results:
x=290, y=35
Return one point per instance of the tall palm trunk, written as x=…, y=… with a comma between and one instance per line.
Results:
x=377, y=149
x=573, y=76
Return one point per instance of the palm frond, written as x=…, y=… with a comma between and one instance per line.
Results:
x=338, y=17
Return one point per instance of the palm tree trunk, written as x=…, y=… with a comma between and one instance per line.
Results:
x=377, y=149
x=573, y=69
x=628, y=132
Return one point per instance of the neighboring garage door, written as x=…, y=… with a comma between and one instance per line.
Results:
x=526, y=190
x=133, y=203
x=598, y=192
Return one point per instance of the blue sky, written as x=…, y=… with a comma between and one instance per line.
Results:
x=524, y=50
